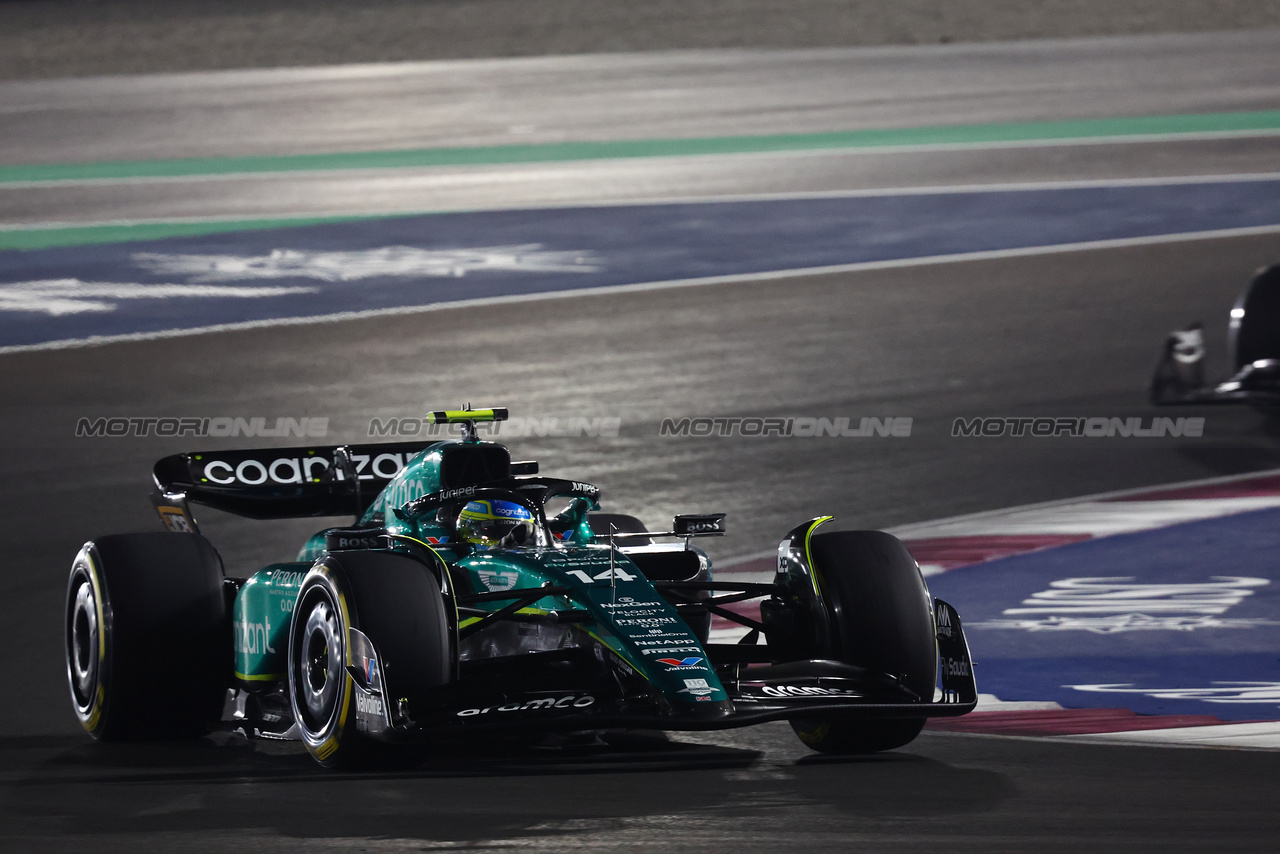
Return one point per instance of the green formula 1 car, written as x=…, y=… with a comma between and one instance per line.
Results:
x=460, y=604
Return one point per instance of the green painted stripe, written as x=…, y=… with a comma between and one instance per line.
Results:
x=1263, y=121
x=37, y=237
x=48, y=238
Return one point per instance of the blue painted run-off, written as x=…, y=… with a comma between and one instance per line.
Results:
x=1175, y=634
x=623, y=245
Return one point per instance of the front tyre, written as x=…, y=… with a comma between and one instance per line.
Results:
x=397, y=602
x=320, y=689
x=881, y=618
x=853, y=737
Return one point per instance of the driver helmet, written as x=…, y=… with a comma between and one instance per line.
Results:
x=484, y=522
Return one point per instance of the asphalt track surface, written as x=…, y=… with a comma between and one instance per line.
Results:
x=1070, y=333
x=57, y=38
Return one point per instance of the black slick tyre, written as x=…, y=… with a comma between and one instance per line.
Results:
x=882, y=620
x=147, y=636
x=396, y=601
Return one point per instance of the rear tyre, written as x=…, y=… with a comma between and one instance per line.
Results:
x=881, y=619
x=147, y=636
x=397, y=602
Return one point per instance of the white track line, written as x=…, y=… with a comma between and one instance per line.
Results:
x=1264, y=735
x=922, y=529
x=1098, y=519
x=931, y=260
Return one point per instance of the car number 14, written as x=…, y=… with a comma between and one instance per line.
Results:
x=608, y=575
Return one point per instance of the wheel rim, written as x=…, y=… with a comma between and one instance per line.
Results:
x=319, y=665
x=82, y=646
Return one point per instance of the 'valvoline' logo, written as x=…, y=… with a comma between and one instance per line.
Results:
x=679, y=662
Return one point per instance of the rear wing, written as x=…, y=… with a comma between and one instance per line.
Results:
x=278, y=483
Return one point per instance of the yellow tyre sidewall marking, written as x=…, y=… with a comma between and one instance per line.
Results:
x=95, y=706
x=814, y=572
x=329, y=745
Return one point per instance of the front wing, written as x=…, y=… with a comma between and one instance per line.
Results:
x=581, y=689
